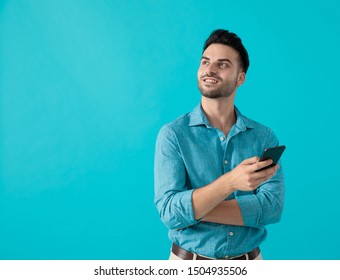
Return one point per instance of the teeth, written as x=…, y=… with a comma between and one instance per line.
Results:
x=210, y=81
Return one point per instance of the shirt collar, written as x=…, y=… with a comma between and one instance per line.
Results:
x=197, y=117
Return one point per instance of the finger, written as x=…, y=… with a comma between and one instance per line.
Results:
x=260, y=181
x=262, y=164
x=251, y=160
x=266, y=173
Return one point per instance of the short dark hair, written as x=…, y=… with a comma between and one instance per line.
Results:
x=221, y=36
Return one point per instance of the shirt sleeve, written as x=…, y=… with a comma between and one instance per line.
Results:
x=173, y=198
x=266, y=205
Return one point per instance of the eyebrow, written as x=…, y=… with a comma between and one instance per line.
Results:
x=221, y=59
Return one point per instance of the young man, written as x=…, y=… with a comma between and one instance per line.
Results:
x=207, y=190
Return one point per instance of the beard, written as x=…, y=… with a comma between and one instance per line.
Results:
x=226, y=89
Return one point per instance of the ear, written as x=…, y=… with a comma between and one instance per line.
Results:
x=241, y=78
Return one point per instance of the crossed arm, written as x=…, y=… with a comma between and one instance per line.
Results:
x=208, y=202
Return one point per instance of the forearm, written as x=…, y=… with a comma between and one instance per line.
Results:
x=207, y=198
x=226, y=212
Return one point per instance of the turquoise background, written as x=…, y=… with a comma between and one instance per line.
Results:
x=86, y=85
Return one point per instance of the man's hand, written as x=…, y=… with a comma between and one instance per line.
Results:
x=244, y=176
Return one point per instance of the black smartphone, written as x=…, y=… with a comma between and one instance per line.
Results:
x=273, y=153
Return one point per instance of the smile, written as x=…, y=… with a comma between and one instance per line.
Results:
x=210, y=80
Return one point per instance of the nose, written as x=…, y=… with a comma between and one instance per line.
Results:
x=211, y=69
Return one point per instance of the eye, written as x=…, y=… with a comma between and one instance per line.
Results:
x=205, y=62
x=224, y=65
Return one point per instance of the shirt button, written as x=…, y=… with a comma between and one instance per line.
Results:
x=221, y=138
x=231, y=233
x=226, y=162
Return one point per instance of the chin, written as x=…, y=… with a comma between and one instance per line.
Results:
x=211, y=95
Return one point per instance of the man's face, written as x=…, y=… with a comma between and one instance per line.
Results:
x=220, y=72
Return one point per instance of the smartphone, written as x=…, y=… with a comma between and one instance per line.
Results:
x=273, y=153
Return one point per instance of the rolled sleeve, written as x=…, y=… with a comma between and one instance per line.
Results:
x=266, y=206
x=251, y=210
x=173, y=196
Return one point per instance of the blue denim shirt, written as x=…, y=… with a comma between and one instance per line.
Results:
x=190, y=154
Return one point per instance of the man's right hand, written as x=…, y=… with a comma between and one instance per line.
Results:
x=244, y=176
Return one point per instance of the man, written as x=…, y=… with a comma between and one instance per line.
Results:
x=207, y=190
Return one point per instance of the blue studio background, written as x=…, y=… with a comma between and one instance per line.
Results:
x=86, y=85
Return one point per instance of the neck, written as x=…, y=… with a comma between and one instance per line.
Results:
x=220, y=112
